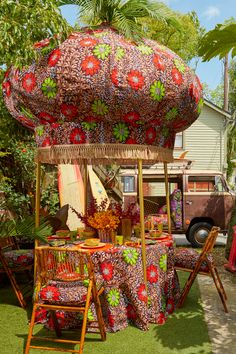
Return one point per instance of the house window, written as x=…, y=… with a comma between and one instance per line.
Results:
x=179, y=140
x=128, y=184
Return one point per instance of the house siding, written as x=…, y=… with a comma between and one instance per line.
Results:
x=205, y=141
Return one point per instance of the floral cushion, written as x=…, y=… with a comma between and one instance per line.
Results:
x=19, y=258
x=187, y=258
x=65, y=292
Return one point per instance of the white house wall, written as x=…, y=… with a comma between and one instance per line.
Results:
x=205, y=140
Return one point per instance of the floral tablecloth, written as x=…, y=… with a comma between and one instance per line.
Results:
x=125, y=299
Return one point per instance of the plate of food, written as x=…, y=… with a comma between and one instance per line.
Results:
x=92, y=243
x=101, y=244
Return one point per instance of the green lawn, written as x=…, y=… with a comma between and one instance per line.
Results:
x=185, y=332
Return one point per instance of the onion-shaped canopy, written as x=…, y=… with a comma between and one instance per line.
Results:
x=99, y=96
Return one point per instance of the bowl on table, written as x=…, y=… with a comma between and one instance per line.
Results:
x=92, y=242
x=88, y=233
x=155, y=233
x=62, y=233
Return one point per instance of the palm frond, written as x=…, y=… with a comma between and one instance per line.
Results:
x=26, y=228
x=219, y=42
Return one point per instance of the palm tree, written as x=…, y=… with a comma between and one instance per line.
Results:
x=123, y=15
x=219, y=41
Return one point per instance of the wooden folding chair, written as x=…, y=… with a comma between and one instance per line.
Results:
x=14, y=260
x=200, y=263
x=65, y=281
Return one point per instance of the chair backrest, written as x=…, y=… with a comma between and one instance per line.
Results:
x=8, y=242
x=211, y=239
x=65, y=264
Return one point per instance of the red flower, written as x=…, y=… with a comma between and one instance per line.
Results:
x=132, y=118
x=26, y=121
x=90, y=65
x=142, y=294
x=199, y=82
x=41, y=315
x=168, y=143
x=170, y=306
x=48, y=142
x=22, y=259
x=7, y=73
x=69, y=110
x=152, y=273
x=150, y=135
x=158, y=62
x=161, y=318
x=77, y=136
x=29, y=82
x=180, y=124
x=131, y=314
x=194, y=92
x=42, y=43
x=107, y=270
x=114, y=77
x=55, y=125
x=131, y=141
x=110, y=320
x=135, y=79
x=87, y=42
x=54, y=57
x=49, y=293
x=60, y=319
x=46, y=118
x=7, y=87
x=177, y=76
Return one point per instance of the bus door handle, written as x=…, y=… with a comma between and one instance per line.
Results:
x=189, y=202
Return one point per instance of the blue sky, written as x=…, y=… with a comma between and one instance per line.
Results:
x=210, y=12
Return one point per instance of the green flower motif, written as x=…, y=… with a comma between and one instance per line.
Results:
x=102, y=51
x=49, y=88
x=149, y=302
x=165, y=132
x=120, y=53
x=90, y=315
x=113, y=297
x=39, y=130
x=99, y=107
x=140, y=122
x=163, y=262
x=27, y=113
x=179, y=65
x=121, y=131
x=200, y=105
x=157, y=91
x=172, y=113
x=86, y=282
x=145, y=49
x=100, y=34
x=89, y=125
x=130, y=256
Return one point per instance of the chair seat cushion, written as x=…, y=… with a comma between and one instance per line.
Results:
x=19, y=258
x=187, y=258
x=65, y=292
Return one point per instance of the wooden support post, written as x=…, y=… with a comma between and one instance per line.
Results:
x=167, y=198
x=142, y=230
x=85, y=186
x=37, y=206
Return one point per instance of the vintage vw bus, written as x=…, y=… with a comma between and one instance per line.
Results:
x=198, y=199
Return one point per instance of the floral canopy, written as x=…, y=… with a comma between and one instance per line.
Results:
x=99, y=96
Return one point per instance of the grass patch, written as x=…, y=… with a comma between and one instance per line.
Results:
x=185, y=331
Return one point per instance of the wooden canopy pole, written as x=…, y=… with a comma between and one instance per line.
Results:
x=167, y=198
x=85, y=186
x=142, y=230
x=37, y=205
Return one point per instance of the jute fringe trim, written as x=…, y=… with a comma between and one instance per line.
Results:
x=103, y=154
